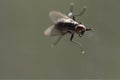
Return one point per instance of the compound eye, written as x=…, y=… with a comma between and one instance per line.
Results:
x=79, y=28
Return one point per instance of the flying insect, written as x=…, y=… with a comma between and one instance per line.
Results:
x=66, y=24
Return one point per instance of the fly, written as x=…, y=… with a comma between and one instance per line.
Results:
x=66, y=24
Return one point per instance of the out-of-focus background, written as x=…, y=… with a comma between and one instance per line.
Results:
x=26, y=53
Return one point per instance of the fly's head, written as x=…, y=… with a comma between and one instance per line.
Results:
x=80, y=29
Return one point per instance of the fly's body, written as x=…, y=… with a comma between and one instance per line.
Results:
x=66, y=24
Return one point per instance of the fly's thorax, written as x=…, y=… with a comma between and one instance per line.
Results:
x=68, y=25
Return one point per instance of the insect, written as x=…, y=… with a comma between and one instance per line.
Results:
x=64, y=24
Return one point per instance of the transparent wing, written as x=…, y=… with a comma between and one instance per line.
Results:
x=55, y=16
x=51, y=31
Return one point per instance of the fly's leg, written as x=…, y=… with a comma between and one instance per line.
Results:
x=77, y=43
x=88, y=29
x=72, y=15
x=54, y=44
x=71, y=7
x=71, y=11
x=82, y=12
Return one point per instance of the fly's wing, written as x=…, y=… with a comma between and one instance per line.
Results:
x=56, y=16
x=51, y=31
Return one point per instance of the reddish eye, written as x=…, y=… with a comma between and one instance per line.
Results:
x=79, y=28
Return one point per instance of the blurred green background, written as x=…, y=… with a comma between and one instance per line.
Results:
x=26, y=53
